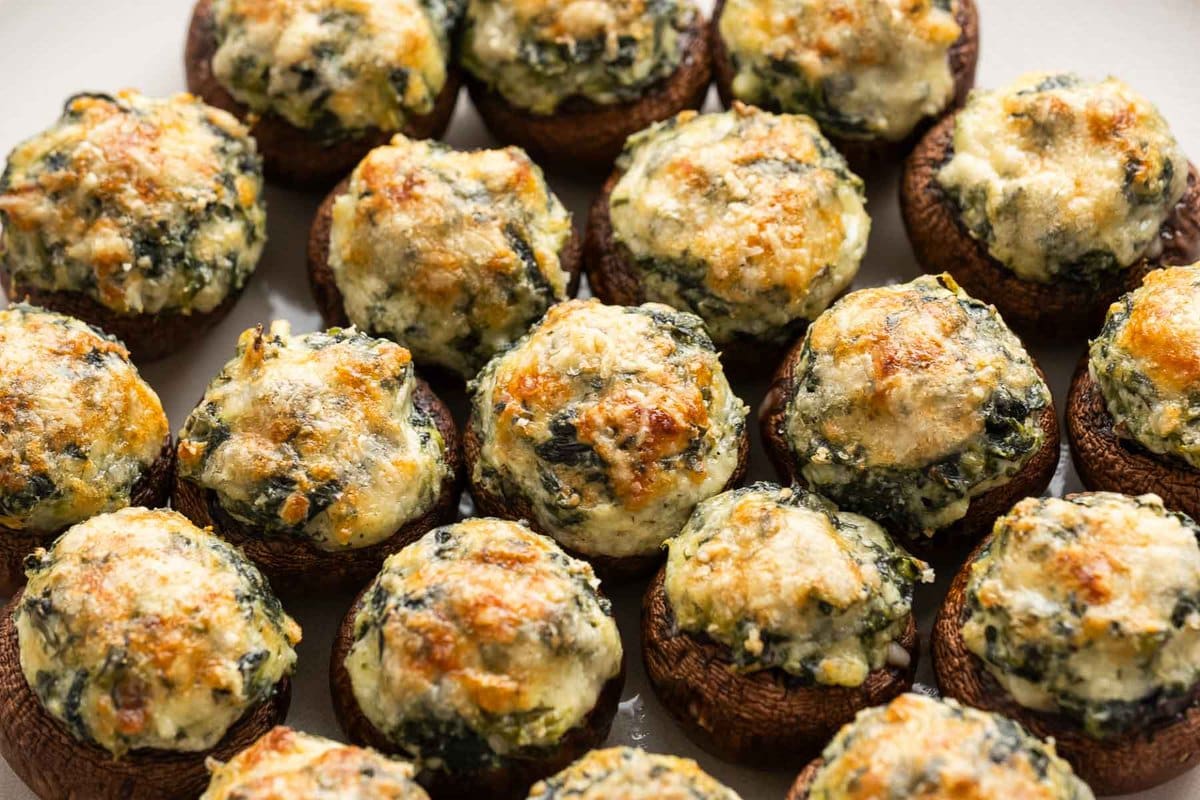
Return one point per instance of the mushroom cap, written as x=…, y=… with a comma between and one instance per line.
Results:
x=292, y=156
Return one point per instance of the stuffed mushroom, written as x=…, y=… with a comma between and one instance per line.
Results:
x=631, y=774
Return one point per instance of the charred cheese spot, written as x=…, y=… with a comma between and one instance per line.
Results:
x=918, y=748
x=1061, y=178
x=1147, y=363
x=139, y=630
x=453, y=254
x=479, y=640
x=335, y=68
x=611, y=422
x=865, y=69
x=316, y=435
x=750, y=220
x=910, y=400
x=143, y=204
x=540, y=53
x=631, y=774
x=78, y=426
x=1090, y=607
x=785, y=580
x=289, y=765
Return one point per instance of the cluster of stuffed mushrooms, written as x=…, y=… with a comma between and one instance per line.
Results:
x=604, y=438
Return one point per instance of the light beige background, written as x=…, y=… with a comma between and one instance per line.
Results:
x=52, y=48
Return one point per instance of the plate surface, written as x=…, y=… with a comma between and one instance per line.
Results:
x=50, y=49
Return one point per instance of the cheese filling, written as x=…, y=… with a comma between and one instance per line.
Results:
x=335, y=68
x=142, y=204
x=865, y=69
x=316, y=436
x=453, y=254
x=631, y=774
x=538, y=54
x=79, y=428
x=907, y=401
x=1064, y=179
x=479, y=640
x=785, y=580
x=750, y=220
x=139, y=630
x=1146, y=361
x=610, y=422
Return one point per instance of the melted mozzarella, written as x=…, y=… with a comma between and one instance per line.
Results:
x=78, y=426
x=863, y=68
x=918, y=748
x=612, y=422
x=749, y=219
x=289, y=765
x=139, y=630
x=785, y=580
x=143, y=204
x=1061, y=178
x=631, y=774
x=482, y=632
x=453, y=254
x=316, y=435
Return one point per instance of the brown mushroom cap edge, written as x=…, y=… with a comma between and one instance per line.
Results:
x=804, y=780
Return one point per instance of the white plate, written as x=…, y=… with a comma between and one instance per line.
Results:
x=50, y=49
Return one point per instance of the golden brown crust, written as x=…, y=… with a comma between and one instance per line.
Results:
x=1041, y=311
x=292, y=563
x=804, y=780
x=54, y=764
x=765, y=717
x=1118, y=765
x=290, y=155
x=150, y=491
x=512, y=778
x=587, y=136
x=608, y=568
x=867, y=156
x=1030, y=481
x=1107, y=462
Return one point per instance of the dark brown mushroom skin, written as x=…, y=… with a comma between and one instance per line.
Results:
x=608, y=568
x=332, y=305
x=292, y=156
x=582, y=135
x=868, y=156
x=148, y=337
x=1030, y=481
x=56, y=765
x=1107, y=461
x=804, y=780
x=1058, y=311
x=293, y=564
x=151, y=491
x=512, y=777
x=1129, y=762
x=764, y=718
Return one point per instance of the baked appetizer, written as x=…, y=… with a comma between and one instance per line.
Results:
x=568, y=80
x=143, y=216
x=321, y=82
x=80, y=433
x=604, y=427
x=632, y=774
x=141, y=646
x=319, y=455
x=452, y=254
x=750, y=220
x=916, y=406
x=875, y=74
x=776, y=619
x=1050, y=198
x=919, y=748
x=289, y=765
x=483, y=652
x=1131, y=418
x=1080, y=617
